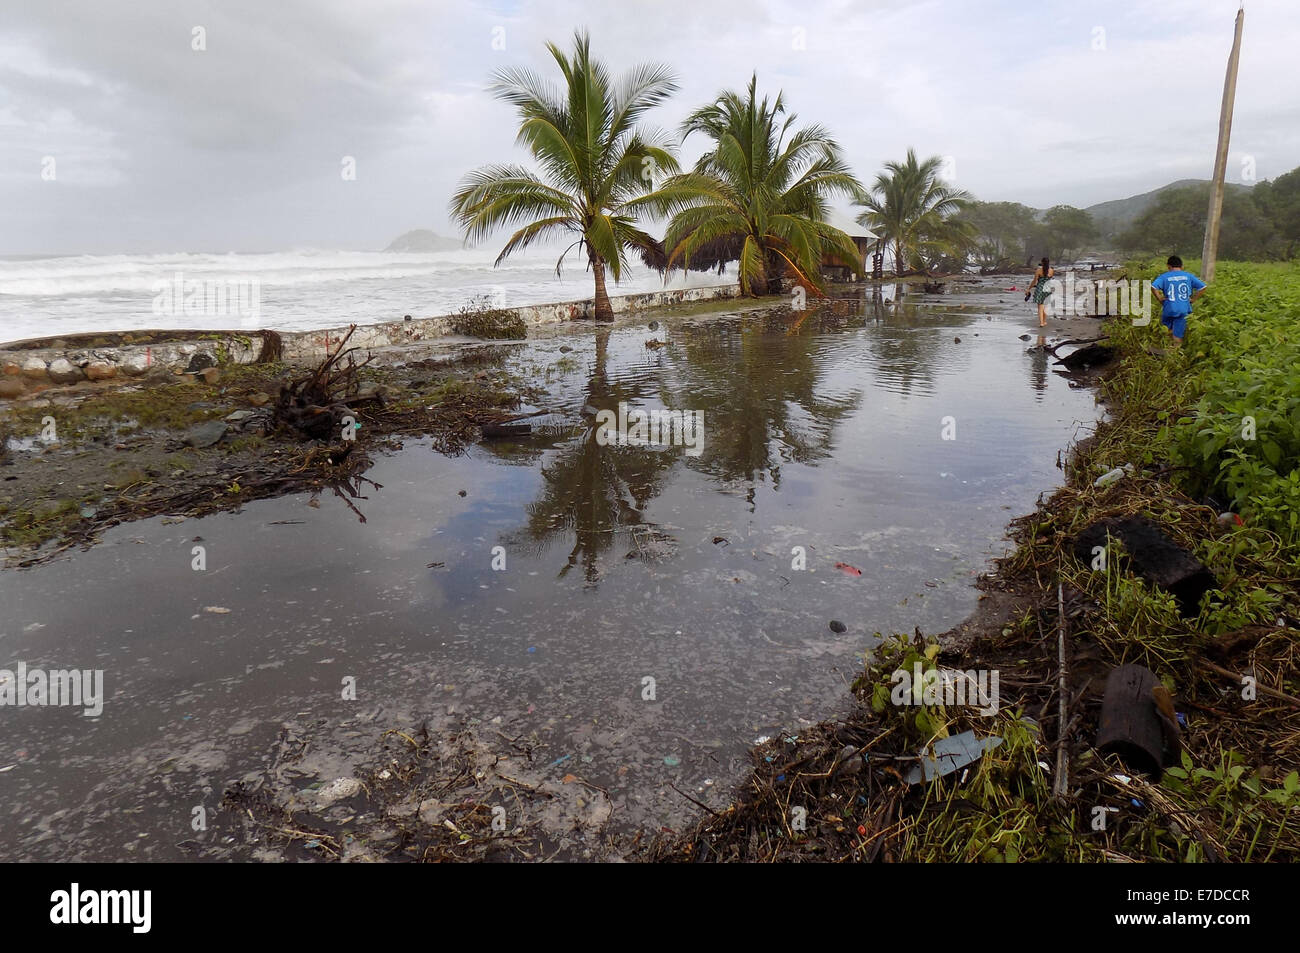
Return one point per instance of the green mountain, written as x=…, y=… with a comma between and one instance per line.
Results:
x=1118, y=214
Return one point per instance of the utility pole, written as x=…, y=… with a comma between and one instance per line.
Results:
x=1210, y=250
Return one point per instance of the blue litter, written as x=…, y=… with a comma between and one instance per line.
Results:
x=561, y=760
x=1182, y=720
x=949, y=754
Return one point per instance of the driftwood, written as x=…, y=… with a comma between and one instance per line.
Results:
x=318, y=403
x=1138, y=722
x=1154, y=557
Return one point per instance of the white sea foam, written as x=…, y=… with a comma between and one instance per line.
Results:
x=299, y=289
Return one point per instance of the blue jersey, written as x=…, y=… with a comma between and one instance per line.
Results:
x=1177, y=286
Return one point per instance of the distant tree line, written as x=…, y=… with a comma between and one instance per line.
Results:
x=1259, y=224
x=1009, y=233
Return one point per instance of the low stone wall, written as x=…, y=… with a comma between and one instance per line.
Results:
x=28, y=367
x=27, y=371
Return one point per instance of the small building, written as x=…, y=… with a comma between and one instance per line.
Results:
x=834, y=268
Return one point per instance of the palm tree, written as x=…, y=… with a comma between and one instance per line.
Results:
x=760, y=196
x=594, y=158
x=910, y=206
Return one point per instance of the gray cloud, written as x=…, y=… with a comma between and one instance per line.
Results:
x=159, y=147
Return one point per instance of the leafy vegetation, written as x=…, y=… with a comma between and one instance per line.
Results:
x=595, y=156
x=1008, y=233
x=1259, y=224
x=760, y=196
x=481, y=318
x=1230, y=407
x=912, y=209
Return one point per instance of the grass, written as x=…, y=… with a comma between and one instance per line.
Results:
x=479, y=318
x=1231, y=669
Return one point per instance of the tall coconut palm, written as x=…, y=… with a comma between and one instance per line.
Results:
x=594, y=156
x=909, y=204
x=760, y=196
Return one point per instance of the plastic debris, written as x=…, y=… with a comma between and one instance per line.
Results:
x=672, y=762
x=1110, y=476
x=848, y=570
x=948, y=754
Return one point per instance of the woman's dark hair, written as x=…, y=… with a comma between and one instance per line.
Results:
x=1046, y=267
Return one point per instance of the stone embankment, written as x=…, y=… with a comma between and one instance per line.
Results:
x=29, y=367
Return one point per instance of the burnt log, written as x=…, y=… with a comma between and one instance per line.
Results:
x=505, y=431
x=314, y=421
x=1138, y=722
x=1155, y=557
x=1094, y=355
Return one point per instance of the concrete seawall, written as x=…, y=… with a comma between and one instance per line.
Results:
x=28, y=367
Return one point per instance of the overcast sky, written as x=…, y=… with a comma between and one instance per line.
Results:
x=161, y=147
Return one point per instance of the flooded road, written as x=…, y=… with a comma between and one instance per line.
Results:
x=640, y=613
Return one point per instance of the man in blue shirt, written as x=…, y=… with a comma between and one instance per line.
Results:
x=1176, y=290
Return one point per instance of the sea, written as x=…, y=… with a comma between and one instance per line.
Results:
x=287, y=290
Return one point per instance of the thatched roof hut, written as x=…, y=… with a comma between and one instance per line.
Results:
x=713, y=256
x=865, y=240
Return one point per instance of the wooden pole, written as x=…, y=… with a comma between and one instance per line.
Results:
x=1061, y=787
x=1211, y=248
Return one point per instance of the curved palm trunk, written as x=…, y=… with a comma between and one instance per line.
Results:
x=604, y=311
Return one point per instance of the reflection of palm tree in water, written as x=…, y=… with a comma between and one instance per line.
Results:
x=593, y=491
x=1038, y=367
x=769, y=381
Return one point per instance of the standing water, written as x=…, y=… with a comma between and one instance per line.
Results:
x=641, y=614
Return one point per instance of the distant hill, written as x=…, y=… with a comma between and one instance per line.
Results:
x=1118, y=214
x=422, y=240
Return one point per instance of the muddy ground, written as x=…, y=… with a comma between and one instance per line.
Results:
x=455, y=788
x=83, y=458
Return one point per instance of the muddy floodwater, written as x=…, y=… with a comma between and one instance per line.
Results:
x=639, y=612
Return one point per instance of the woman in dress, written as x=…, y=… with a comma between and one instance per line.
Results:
x=1040, y=289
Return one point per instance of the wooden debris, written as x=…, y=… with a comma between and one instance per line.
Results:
x=1138, y=722
x=1154, y=556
